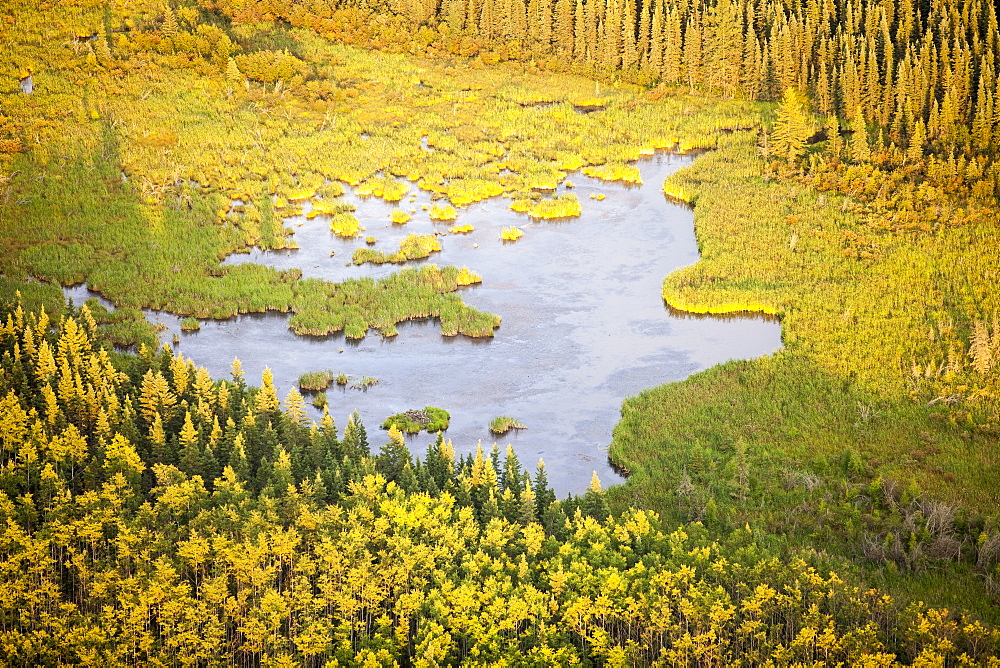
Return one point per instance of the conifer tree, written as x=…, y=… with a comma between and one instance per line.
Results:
x=563, y=36
x=190, y=448
x=791, y=129
x=238, y=460
x=295, y=407
x=860, y=149
x=355, y=440
x=544, y=495
x=266, y=400
x=394, y=456
x=915, y=149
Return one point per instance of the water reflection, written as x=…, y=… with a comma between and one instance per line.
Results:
x=584, y=324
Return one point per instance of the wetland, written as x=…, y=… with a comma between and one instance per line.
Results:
x=583, y=322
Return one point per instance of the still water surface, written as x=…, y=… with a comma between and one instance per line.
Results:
x=584, y=325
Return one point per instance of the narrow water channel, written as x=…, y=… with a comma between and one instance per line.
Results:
x=584, y=325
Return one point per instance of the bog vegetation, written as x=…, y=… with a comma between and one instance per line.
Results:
x=428, y=419
x=851, y=190
x=501, y=424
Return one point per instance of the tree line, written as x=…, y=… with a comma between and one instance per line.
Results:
x=920, y=77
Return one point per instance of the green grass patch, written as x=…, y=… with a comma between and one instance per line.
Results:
x=502, y=424
x=315, y=381
x=189, y=324
x=429, y=419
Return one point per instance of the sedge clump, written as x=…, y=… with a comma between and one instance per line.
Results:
x=511, y=233
x=443, y=212
x=502, y=424
x=563, y=206
x=345, y=225
x=413, y=247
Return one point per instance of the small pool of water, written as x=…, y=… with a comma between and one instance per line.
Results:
x=584, y=324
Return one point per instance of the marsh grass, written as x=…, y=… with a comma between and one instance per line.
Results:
x=443, y=212
x=345, y=225
x=792, y=449
x=320, y=381
x=511, y=233
x=563, y=206
x=504, y=423
x=413, y=247
x=189, y=324
x=615, y=172
x=357, y=305
x=315, y=381
x=211, y=168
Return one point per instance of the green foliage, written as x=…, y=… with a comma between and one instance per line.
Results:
x=319, y=381
x=502, y=424
x=429, y=419
x=315, y=381
x=357, y=305
x=789, y=448
x=190, y=324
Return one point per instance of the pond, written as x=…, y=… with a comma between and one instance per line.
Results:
x=584, y=324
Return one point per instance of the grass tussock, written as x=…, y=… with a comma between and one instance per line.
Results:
x=413, y=247
x=504, y=423
x=443, y=212
x=511, y=233
x=430, y=419
x=345, y=225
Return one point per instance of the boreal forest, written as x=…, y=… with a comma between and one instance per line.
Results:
x=834, y=502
